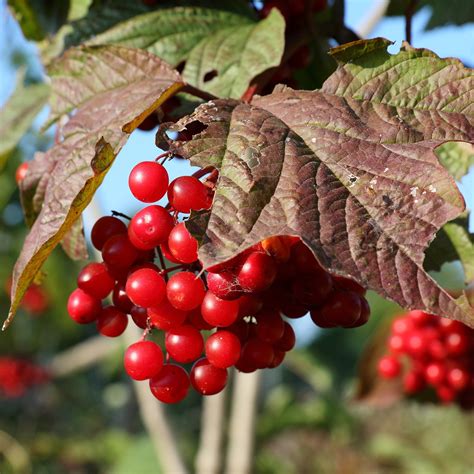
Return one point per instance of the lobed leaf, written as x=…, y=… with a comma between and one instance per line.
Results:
x=350, y=169
x=112, y=90
x=224, y=40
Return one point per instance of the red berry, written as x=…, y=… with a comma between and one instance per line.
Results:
x=195, y=319
x=249, y=305
x=241, y=329
x=139, y=316
x=207, y=379
x=150, y=227
x=402, y=325
x=278, y=357
x=257, y=353
x=120, y=298
x=146, y=287
x=111, y=322
x=171, y=385
x=224, y=285
x=364, y=313
x=458, y=378
x=349, y=285
x=21, y=172
x=457, y=342
x=167, y=253
x=182, y=245
x=446, y=394
x=389, y=367
x=313, y=289
x=148, y=181
x=223, y=349
x=435, y=373
x=270, y=326
x=396, y=344
x=119, y=252
x=303, y=258
x=218, y=312
x=82, y=307
x=342, y=308
x=287, y=340
x=143, y=360
x=413, y=382
x=258, y=272
x=185, y=291
x=95, y=280
x=416, y=344
x=187, y=193
x=165, y=316
x=184, y=343
x=105, y=228
x=420, y=318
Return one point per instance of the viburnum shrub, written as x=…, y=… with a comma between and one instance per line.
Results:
x=315, y=181
x=234, y=315
x=431, y=354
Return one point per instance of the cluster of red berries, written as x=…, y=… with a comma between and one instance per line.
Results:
x=18, y=375
x=242, y=301
x=431, y=352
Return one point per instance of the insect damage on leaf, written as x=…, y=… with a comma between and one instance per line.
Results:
x=350, y=169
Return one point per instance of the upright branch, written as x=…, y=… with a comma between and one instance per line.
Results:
x=409, y=11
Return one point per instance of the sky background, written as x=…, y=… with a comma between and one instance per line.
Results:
x=114, y=193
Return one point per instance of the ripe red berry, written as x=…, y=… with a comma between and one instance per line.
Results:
x=167, y=253
x=396, y=344
x=446, y=394
x=165, y=316
x=184, y=343
x=249, y=305
x=139, y=316
x=287, y=340
x=342, y=308
x=458, y=378
x=420, y=318
x=457, y=342
x=413, y=382
x=182, y=245
x=223, y=349
x=348, y=285
x=187, y=193
x=171, y=385
x=120, y=298
x=111, y=322
x=21, y=172
x=143, y=360
x=224, y=285
x=258, y=272
x=416, y=343
x=257, y=353
x=195, y=319
x=278, y=357
x=119, y=252
x=105, y=228
x=207, y=379
x=270, y=326
x=218, y=312
x=82, y=307
x=312, y=289
x=185, y=291
x=150, y=227
x=389, y=367
x=435, y=373
x=402, y=325
x=148, y=181
x=145, y=287
x=95, y=280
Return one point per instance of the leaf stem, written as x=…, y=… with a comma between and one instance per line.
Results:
x=409, y=11
x=198, y=92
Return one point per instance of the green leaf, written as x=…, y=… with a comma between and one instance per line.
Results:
x=18, y=114
x=224, y=40
x=235, y=55
x=453, y=242
x=38, y=18
x=112, y=89
x=350, y=169
x=456, y=157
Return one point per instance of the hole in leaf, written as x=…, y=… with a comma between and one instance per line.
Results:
x=210, y=75
x=192, y=128
x=180, y=66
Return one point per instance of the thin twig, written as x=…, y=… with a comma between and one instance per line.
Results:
x=120, y=214
x=372, y=18
x=409, y=11
x=198, y=92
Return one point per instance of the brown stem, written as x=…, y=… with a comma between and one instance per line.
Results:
x=162, y=262
x=202, y=172
x=198, y=92
x=119, y=214
x=409, y=11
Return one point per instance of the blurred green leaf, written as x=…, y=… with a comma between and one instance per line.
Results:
x=138, y=458
x=453, y=242
x=18, y=114
x=456, y=157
